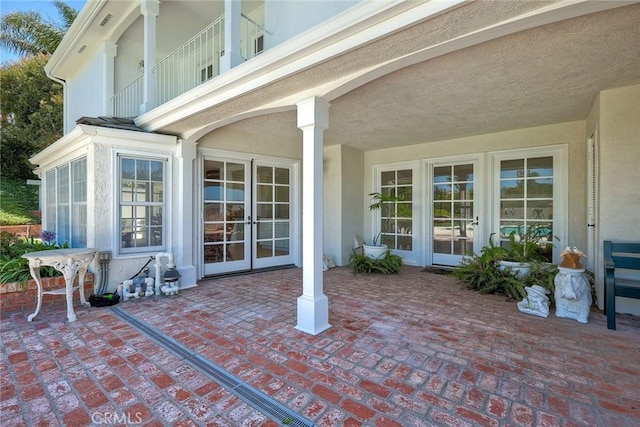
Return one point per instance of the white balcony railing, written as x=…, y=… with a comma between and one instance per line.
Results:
x=190, y=65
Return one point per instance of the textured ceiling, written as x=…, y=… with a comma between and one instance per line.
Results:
x=545, y=75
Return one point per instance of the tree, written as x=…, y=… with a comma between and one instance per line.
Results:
x=28, y=34
x=31, y=114
x=31, y=105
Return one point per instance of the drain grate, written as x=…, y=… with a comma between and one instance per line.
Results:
x=248, y=394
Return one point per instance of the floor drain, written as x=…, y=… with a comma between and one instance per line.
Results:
x=247, y=393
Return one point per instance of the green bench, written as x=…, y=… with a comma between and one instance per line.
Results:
x=617, y=256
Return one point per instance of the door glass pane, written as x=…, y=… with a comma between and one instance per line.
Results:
x=264, y=193
x=235, y=172
x=265, y=230
x=282, y=194
x=282, y=230
x=512, y=189
x=442, y=192
x=388, y=178
x=264, y=174
x=235, y=252
x=512, y=169
x=212, y=191
x=282, y=211
x=282, y=176
x=235, y=192
x=264, y=211
x=441, y=174
x=537, y=188
x=213, y=169
x=213, y=211
x=540, y=167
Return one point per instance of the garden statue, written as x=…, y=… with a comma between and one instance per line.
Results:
x=573, y=294
x=536, y=302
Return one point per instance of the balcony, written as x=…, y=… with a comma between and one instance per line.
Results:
x=192, y=64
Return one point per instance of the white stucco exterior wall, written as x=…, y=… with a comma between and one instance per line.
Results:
x=619, y=171
x=285, y=19
x=84, y=95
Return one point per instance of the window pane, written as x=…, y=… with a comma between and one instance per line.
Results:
x=156, y=171
x=537, y=188
x=128, y=169
x=541, y=166
x=142, y=170
x=512, y=209
x=282, y=176
x=235, y=192
x=63, y=185
x=442, y=192
x=212, y=191
x=463, y=172
x=235, y=172
x=405, y=177
x=265, y=193
x=282, y=194
x=213, y=169
x=441, y=174
x=282, y=211
x=512, y=168
x=265, y=174
x=512, y=189
x=388, y=178
x=213, y=211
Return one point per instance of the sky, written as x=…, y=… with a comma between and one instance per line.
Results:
x=44, y=7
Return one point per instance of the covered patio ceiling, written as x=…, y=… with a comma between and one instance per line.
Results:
x=546, y=75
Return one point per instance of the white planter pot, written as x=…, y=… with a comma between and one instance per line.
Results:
x=375, y=252
x=520, y=269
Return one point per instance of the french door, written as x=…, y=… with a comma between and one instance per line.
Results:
x=454, y=216
x=248, y=215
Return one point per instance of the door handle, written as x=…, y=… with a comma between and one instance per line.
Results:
x=591, y=225
x=476, y=222
x=248, y=220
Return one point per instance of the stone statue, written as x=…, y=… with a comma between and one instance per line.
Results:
x=536, y=302
x=573, y=294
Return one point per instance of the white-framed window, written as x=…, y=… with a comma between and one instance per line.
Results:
x=66, y=202
x=141, y=203
x=531, y=196
x=395, y=224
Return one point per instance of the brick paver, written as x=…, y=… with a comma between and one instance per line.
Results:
x=406, y=350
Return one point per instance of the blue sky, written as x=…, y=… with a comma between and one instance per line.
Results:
x=44, y=7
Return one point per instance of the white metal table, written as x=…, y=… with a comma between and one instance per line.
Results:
x=70, y=262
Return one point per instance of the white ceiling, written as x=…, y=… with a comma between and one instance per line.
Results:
x=545, y=75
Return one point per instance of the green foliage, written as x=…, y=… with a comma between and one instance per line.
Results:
x=481, y=273
x=387, y=204
x=14, y=268
x=525, y=247
x=28, y=34
x=389, y=264
x=542, y=274
x=32, y=114
x=17, y=201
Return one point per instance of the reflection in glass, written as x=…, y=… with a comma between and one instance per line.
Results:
x=512, y=189
x=265, y=211
x=463, y=172
x=388, y=178
x=213, y=169
x=264, y=193
x=282, y=230
x=405, y=193
x=142, y=170
x=214, y=232
x=282, y=194
x=404, y=210
x=282, y=247
x=538, y=188
x=463, y=210
x=235, y=192
x=441, y=174
x=463, y=191
x=405, y=243
x=264, y=174
x=540, y=166
x=282, y=176
x=512, y=209
x=512, y=168
x=442, y=210
x=405, y=176
x=442, y=192
x=540, y=209
x=265, y=230
x=128, y=169
x=213, y=211
x=212, y=191
x=156, y=171
x=235, y=172
x=235, y=252
x=282, y=211
x=404, y=226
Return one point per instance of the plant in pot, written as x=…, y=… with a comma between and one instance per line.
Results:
x=386, y=204
x=523, y=249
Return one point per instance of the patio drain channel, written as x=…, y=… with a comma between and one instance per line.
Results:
x=245, y=392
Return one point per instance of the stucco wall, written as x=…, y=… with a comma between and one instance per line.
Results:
x=285, y=19
x=343, y=193
x=619, y=171
x=81, y=101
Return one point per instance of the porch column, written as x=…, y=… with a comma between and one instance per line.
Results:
x=232, y=18
x=150, y=9
x=184, y=238
x=109, y=50
x=313, y=305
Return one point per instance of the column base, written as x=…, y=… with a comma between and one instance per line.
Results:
x=313, y=314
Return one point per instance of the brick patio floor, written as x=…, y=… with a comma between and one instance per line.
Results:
x=407, y=350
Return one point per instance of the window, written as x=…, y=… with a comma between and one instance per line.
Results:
x=66, y=203
x=141, y=204
x=396, y=218
x=526, y=199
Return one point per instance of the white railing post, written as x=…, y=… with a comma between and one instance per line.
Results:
x=232, y=34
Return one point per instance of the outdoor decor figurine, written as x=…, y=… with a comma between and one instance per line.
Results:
x=573, y=296
x=536, y=302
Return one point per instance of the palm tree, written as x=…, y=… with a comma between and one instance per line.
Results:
x=28, y=34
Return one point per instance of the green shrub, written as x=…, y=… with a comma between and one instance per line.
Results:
x=389, y=264
x=14, y=268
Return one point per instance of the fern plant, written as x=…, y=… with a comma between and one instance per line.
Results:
x=389, y=264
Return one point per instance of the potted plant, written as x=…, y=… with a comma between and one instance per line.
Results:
x=523, y=249
x=386, y=203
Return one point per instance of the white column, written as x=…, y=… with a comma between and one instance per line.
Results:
x=232, y=19
x=313, y=305
x=150, y=9
x=109, y=51
x=184, y=203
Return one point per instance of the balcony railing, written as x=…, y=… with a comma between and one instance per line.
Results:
x=190, y=65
